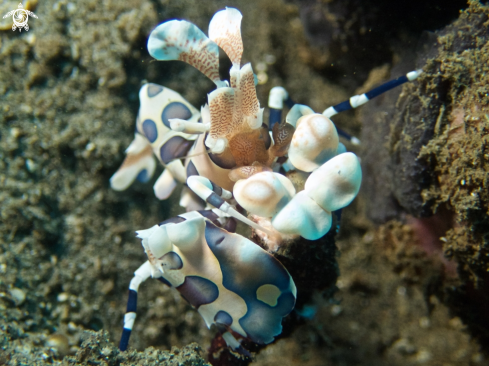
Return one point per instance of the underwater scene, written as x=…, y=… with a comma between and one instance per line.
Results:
x=280, y=182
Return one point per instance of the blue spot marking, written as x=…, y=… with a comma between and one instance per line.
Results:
x=143, y=176
x=175, y=110
x=150, y=130
x=245, y=267
x=262, y=322
x=198, y=291
x=172, y=260
x=214, y=236
x=245, y=264
x=154, y=89
x=225, y=161
x=224, y=318
x=191, y=169
x=174, y=148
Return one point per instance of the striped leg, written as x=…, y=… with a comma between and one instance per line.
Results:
x=276, y=99
x=352, y=139
x=215, y=195
x=358, y=100
x=141, y=275
x=299, y=110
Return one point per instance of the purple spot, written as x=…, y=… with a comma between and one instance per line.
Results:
x=214, y=236
x=172, y=260
x=143, y=176
x=191, y=169
x=225, y=161
x=150, y=130
x=198, y=291
x=154, y=89
x=175, y=110
x=222, y=163
x=245, y=268
x=223, y=318
x=174, y=148
x=263, y=322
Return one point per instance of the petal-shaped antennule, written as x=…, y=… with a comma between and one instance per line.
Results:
x=183, y=41
x=249, y=103
x=336, y=183
x=225, y=30
x=221, y=105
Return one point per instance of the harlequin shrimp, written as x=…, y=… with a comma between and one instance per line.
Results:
x=232, y=282
x=229, y=158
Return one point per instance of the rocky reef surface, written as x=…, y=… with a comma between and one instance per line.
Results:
x=68, y=101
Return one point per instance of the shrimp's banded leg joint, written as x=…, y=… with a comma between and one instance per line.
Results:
x=141, y=275
x=358, y=100
x=278, y=96
x=276, y=99
x=215, y=195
